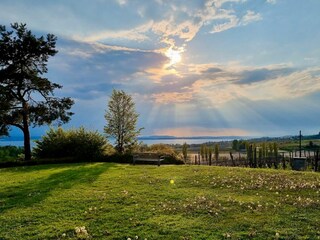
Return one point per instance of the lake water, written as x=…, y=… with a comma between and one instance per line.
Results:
x=148, y=141
x=184, y=140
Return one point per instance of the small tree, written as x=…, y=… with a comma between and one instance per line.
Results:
x=250, y=154
x=210, y=155
x=260, y=154
x=203, y=151
x=122, y=119
x=206, y=153
x=235, y=145
x=26, y=97
x=264, y=150
x=276, y=153
x=216, y=151
x=185, y=151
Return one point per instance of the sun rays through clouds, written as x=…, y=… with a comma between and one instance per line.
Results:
x=204, y=66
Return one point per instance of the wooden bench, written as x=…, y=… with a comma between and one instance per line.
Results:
x=148, y=157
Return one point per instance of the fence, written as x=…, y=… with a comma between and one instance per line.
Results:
x=282, y=160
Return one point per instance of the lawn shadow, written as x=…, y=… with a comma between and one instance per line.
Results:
x=35, y=191
x=33, y=168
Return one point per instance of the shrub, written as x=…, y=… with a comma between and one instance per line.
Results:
x=119, y=158
x=79, y=144
x=161, y=149
x=10, y=153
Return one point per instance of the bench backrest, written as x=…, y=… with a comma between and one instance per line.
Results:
x=147, y=155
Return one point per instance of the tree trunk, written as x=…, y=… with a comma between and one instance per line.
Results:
x=27, y=146
x=26, y=133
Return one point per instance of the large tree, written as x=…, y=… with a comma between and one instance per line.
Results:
x=122, y=119
x=26, y=95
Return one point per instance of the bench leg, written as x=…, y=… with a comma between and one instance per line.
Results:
x=134, y=162
x=159, y=163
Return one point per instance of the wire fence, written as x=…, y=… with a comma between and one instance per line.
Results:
x=296, y=160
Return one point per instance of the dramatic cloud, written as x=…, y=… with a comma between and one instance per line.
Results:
x=216, y=85
x=91, y=70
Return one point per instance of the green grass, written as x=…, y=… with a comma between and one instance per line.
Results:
x=116, y=201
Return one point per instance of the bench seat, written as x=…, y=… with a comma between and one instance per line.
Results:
x=148, y=157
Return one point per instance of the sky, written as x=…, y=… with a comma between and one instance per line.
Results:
x=193, y=68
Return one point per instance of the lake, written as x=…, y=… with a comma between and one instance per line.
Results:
x=18, y=141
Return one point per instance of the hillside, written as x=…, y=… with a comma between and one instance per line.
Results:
x=114, y=201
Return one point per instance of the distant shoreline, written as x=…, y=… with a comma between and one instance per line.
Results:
x=18, y=141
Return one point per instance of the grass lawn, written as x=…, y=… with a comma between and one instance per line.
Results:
x=114, y=201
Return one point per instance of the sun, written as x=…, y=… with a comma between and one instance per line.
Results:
x=173, y=55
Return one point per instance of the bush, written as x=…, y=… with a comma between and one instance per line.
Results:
x=10, y=153
x=172, y=159
x=171, y=156
x=78, y=144
x=119, y=158
x=159, y=148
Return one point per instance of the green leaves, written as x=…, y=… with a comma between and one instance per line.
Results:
x=26, y=97
x=122, y=118
x=79, y=144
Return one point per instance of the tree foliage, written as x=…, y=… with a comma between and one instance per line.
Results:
x=235, y=145
x=26, y=96
x=122, y=118
x=203, y=151
x=9, y=153
x=78, y=144
x=185, y=151
x=216, y=151
x=210, y=150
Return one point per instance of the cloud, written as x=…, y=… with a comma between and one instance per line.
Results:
x=174, y=23
x=297, y=84
x=136, y=34
x=213, y=84
x=250, y=17
x=122, y=2
x=89, y=70
x=262, y=74
x=232, y=21
x=219, y=3
x=271, y=1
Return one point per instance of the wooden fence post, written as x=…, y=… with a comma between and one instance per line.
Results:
x=233, y=163
x=255, y=157
x=316, y=161
x=283, y=162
